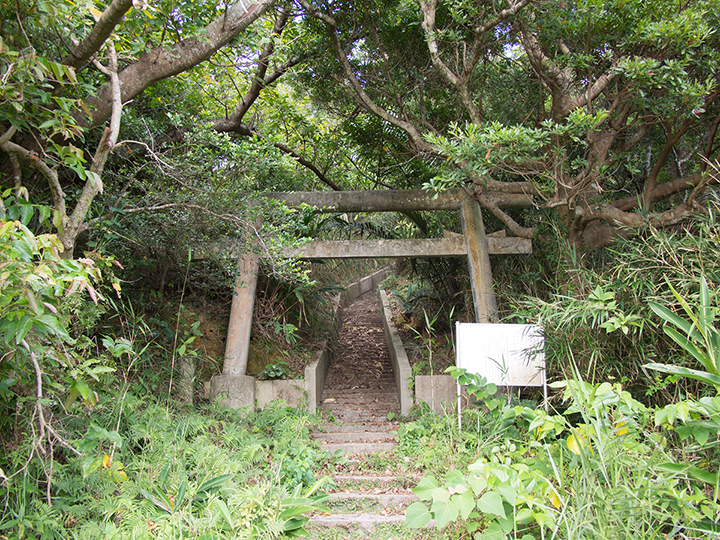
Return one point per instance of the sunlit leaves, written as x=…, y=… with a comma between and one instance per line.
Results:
x=33, y=276
x=28, y=82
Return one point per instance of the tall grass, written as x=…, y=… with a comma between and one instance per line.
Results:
x=602, y=322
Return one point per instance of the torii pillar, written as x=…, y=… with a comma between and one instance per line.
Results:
x=478, y=261
x=237, y=388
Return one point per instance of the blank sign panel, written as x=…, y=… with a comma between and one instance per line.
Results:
x=505, y=354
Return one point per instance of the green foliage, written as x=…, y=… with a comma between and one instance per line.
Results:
x=698, y=336
x=612, y=477
x=477, y=386
x=28, y=94
x=157, y=473
x=274, y=371
x=495, y=146
x=35, y=283
x=602, y=319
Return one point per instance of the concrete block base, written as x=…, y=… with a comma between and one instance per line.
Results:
x=291, y=392
x=438, y=391
x=234, y=391
x=315, y=375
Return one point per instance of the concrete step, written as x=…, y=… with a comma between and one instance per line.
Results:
x=350, y=393
x=360, y=406
x=357, y=448
x=349, y=388
x=371, y=502
x=363, y=418
x=366, y=521
x=353, y=437
x=359, y=482
x=331, y=393
x=355, y=428
x=334, y=405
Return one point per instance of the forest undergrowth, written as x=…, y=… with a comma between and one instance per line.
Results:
x=98, y=440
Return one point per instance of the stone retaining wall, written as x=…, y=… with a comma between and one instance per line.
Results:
x=401, y=366
x=438, y=391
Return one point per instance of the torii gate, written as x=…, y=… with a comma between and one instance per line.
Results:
x=473, y=243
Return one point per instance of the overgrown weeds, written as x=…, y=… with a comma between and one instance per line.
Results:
x=146, y=472
x=606, y=468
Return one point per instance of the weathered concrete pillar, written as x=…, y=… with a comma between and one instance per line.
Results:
x=241, y=313
x=186, y=384
x=236, y=389
x=478, y=261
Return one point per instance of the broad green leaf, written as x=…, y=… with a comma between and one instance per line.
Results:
x=115, y=438
x=417, y=515
x=465, y=503
x=72, y=396
x=295, y=527
x=225, y=512
x=703, y=475
x=675, y=468
x=82, y=388
x=23, y=327
x=703, y=376
x=700, y=434
x=687, y=344
x=26, y=213
x=454, y=477
x=425, y=488
x=444, y=512
x=161, y=501
x=508, y=492
x=477, y=483
x=440, y=494
x=491, y=503
x=296, y=511
x=493, y=532
x=671, y=317
x=180, y=498
x=214, y=482
x=524, y=516
x=10, y=329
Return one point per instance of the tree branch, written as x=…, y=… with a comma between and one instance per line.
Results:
x=8, y=135
x=242, y=129
x=163, y=62
x=709, y=145
x=662, y=159
x=365, y=100
x=93, y=185
x=513, y=226
x=38, y=164
x=258, y=80
x=109, y=19
x=459, y=82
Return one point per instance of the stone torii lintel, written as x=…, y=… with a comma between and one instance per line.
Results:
x=400, y=200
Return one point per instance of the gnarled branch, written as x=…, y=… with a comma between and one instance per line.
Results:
x=107, y=22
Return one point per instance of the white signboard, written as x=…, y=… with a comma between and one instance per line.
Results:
x=505, y=354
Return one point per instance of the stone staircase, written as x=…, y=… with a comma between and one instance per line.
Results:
x=359, y=402
x=361, y=503
x=360, y=407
